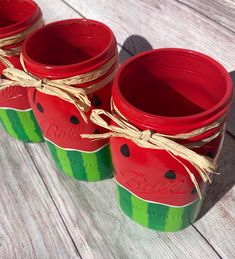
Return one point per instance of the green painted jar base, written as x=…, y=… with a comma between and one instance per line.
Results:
x=21, y=125
x=92, y=166
x=157, y=216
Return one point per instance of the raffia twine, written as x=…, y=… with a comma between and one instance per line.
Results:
x=148, y=139
x=64, y=88
x=12, y=40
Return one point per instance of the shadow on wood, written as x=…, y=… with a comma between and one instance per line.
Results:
x=226, y=180
x=231, y=120
x=134, y=44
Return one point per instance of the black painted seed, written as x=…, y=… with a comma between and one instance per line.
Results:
x=170, y=175
x=3, y=77
x=40, y=108
x=194, y=191
x=210, y=154
x=74, y=119
x=125, y=150
x=96, y=131
x=95, y=101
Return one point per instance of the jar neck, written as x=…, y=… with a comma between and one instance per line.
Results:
x=167, y=125
x=59, y=72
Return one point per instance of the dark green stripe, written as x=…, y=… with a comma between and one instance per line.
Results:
x=1, y=122
x=7, y=123
x=157, y=216
x=64, y=161
x=104, y=162
x=28, y=125
x=125, y=200
x=190, y=213
x=194, y=210
x=76, y=162
x=186, y=216
x=37, y=129
x=16, y=125
x=52, y=149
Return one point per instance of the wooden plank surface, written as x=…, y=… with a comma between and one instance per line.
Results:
x=71, y=218
x=30, y=225
x=222, y=12
x=217, y=223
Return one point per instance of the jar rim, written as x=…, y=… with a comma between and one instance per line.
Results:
x=148, y=120
x=57, y=71
x=25, y=23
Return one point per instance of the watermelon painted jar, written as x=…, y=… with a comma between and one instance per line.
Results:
x=62, y=50
x=168, y=91
x=18, y=18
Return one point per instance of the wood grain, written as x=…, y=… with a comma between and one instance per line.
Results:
x=222, y=12
x=31, y=226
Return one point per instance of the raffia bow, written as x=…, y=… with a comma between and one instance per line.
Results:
x=147, y=139
x=63, y=88
x=12, y=40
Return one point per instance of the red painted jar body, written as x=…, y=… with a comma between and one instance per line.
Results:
x=60, y=50
x=169, y=91
x=15, y=111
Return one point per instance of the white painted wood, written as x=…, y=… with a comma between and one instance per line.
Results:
x=55, y=10
x=90, y=211
x=30, y=225
x=223, y=12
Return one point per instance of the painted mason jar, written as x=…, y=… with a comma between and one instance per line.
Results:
x=18, y=19
x=172, y=92
x=62, y=50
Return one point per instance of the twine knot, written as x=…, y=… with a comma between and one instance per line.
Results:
x=39, y=84
x=145, y=135
x=120, y=127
